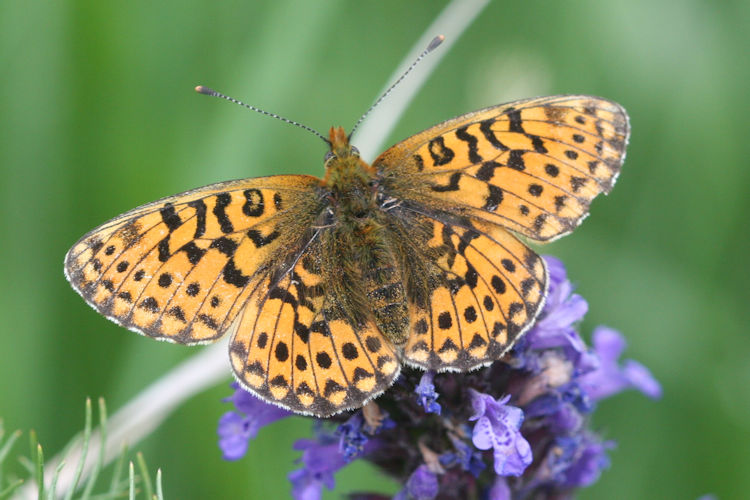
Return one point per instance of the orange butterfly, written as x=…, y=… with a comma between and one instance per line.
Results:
x=329, y=285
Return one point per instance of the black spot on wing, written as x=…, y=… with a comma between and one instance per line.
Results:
x=451, y=186
x=193, y=251
x=170, y=217
x=494, y=198
x=222, y=202
x=259, y=239
x=486, y=128
x=225, y=245
x=463, y=134
x=200, y=217
x=515, y=160
x=254, y=205
x=516, y=123
x=234, y=276
x=440, y=153
x=487, y=170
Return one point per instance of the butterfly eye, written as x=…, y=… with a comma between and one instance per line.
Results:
x=355, y=151
x=328, y=156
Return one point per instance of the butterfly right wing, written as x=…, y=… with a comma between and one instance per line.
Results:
x=295, y=347
x=532, y=166
x=181, y=268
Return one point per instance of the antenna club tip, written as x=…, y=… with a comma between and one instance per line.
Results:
x=204, y=90
x=435, y=43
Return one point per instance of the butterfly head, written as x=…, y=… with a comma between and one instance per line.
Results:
x=340, y=146
x=344, y=167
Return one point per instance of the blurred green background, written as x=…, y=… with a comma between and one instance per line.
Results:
x=98, y=115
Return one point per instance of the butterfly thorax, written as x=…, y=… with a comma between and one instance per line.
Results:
x=362, y=269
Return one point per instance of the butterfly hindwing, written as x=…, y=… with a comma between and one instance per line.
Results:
x=532, y=166
x=181, y=268
x=485, y=288
x=295, y=347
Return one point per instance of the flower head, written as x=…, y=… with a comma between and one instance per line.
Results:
x=541, y=446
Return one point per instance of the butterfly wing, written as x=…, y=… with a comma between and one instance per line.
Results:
x=294, y=346
x=531, y=166
x=181, y=268
x=473, y=289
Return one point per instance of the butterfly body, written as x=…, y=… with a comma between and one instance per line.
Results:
x=327, y=286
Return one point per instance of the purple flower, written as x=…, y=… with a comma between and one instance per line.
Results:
x=464, y=455
x=498, y=427
x=352, y=438
x=551, y=375
x=554, y=328
x=609, y=378
x=320, y=459
x=421, y=485
x=426, y=393
x=577, y=461
x=235, y=429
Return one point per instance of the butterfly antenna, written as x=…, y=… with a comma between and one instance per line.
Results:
x=432, y=46
x=207, y=91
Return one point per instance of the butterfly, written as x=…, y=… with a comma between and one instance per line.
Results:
x=328, y=286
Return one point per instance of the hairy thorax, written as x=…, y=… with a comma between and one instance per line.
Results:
x=362, y=264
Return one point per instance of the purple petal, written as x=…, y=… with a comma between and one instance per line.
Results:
x=497, y=427
x=591, y=459
x=352, y=438
x=608, y=344
x=260, y=412
x=556, y=269
x=609, y=378
x=640, y=377
x=426, y=393
x=304, y=486
x=320, y=460
x=567, y=419
x=233, y=436
x=237, y=429
x=512, y=460
x=422, y=484
x=483, y=436
x=479, y=403
x=500, y=490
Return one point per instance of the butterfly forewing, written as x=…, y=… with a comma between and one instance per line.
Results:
x=531, y=166
x=181, y=268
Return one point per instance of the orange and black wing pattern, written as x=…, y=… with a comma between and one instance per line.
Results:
x=180, y=269
x=529, y=167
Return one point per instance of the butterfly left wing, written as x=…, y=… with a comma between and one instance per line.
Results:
x=180, y=268
x=532, y=166
x=295, y=347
